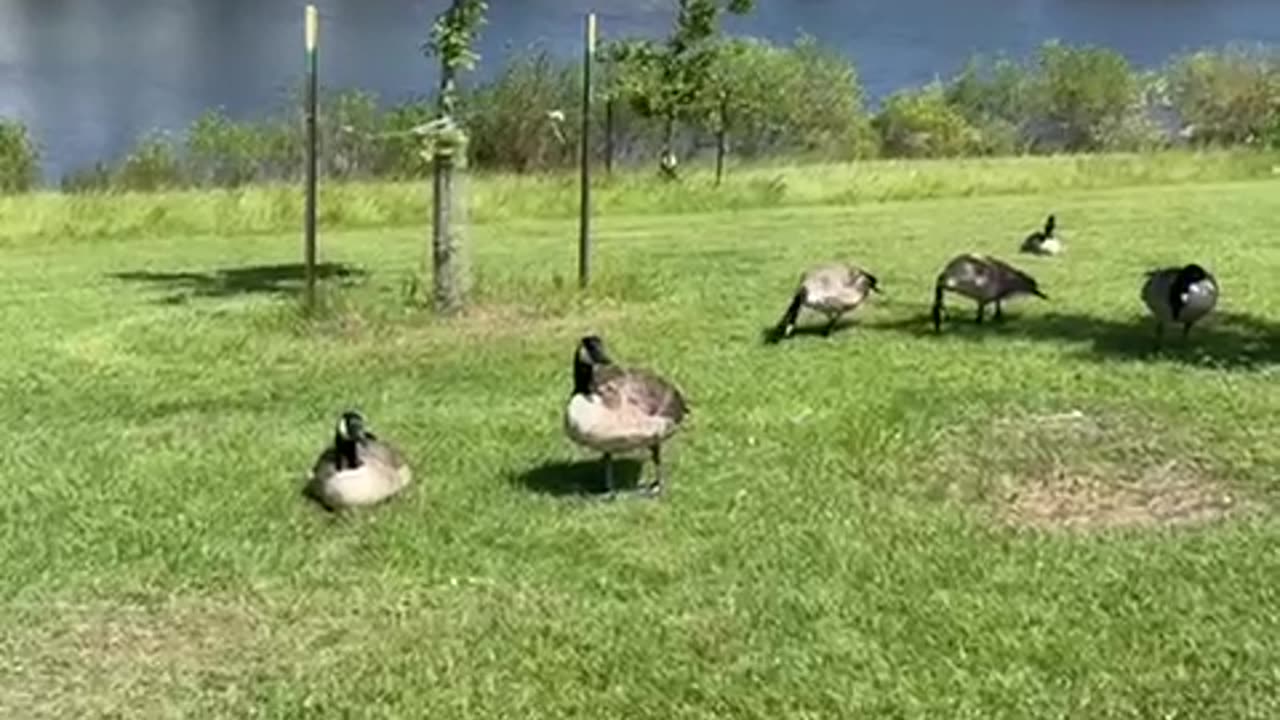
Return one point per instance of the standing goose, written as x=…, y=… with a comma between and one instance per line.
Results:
x=1179, y=295
x=982, y=278
x=832, y=289
x=357, y=469
x=1043, y=242
x=616, y=410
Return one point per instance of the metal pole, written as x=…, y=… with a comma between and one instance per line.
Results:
x=312, y=30
x=584, y=217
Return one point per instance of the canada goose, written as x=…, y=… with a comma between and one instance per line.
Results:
x=983, y=278
x=358, y=468
x=832, y=289
x=1043, y=242
x=1179, y=295
x=616, y=410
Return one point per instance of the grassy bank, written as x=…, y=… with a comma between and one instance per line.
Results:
x=1033, y=520
x=57, y=217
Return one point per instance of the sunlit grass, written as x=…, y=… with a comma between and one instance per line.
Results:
x=858, y=526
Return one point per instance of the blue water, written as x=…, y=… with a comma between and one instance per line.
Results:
x=89, y=76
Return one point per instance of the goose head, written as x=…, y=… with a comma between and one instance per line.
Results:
x=349, y=433
x=589, y=354
x=1049, y=225
x=870, y=282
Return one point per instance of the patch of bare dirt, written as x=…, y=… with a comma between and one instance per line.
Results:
x=1170, y=494
x=1077, y=471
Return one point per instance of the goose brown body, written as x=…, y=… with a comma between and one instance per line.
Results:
x=984, y=279
x=615, y=410
x=357, y=469
x=1179, y=295
x=1043, y=242
x=832, y=289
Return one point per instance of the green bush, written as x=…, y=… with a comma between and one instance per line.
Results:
x=922, y=123
x=798, y=99
x=1227, y=97
x=221, y=152
x=1080, y=93
x=510, y=121
x=994, y=96
x=153, y=165
x=19, y=158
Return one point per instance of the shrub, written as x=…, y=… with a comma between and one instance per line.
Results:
x=509, y=118
x=1080, y=92
x=152, y=165
x=220, y=151
x=1226, y=97
x=19, y=158
x=921, y=123
x=994, y=96
x=802, y=98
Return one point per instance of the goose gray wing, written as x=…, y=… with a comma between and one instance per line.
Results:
x=655, y=395
x=641, y=390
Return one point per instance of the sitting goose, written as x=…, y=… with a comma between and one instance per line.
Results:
x=358, y=468
x=616, y=410
x=1043, y=242
x=832, y=289
x=983, y=278
x=1179, y=295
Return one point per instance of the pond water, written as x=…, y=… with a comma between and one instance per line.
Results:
x=89, y=76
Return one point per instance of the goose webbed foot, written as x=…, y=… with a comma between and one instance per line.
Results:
x=655, y=488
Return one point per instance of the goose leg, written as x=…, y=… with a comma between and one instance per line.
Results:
x=1159, y=334
x=1186, y=330
x=999, y=312
x=982, y=309
x=607, y=459
x=831, y=325
x=654, y=488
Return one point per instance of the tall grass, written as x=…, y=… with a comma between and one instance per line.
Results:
x=61, y=217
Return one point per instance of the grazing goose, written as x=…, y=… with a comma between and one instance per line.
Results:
x=358, y=468
x=833, y=289
x=1179, y=295
x=1043, y=242
x=983, y=278
x=616, y=410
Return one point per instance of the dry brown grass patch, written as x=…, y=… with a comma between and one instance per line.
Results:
x=1076, y=471
x=1168, y=494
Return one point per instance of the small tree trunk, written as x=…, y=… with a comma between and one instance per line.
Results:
x=448, y=261
x=608, y=136
x=721, y=132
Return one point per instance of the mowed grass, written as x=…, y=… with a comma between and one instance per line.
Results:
x=1040, y=519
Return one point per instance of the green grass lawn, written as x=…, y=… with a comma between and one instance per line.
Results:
x=1034, y=520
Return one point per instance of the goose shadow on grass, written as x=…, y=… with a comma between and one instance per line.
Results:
x=279, y=279
x=1224, y=340
x=770, y=335
x=584, y=478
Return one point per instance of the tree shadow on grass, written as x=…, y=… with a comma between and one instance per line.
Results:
x=581, y=477
x=1224, y=340
x=281, y=279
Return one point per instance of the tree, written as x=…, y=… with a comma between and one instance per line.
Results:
x=673, y=80
x=450, y=40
